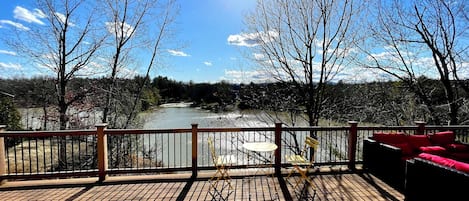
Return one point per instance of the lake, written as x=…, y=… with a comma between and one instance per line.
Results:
x=173, y=150
x=180, y=116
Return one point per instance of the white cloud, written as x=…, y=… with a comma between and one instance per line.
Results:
x=62, y=19
x=10, y=66
x=127, y=28
x=463, y=70
x=258, y=56
x=178, y=53
x=252, y=39
x=127, y=73
x=208, y=63
x=93, y=69
x=29, y=16
x=15, y=24
x=8, y=52
x=256, y=76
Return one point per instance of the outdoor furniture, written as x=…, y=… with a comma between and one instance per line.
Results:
x=222, y=163
x=260, y=148
x=385, y=154
x=302, y=165
x=432, y=177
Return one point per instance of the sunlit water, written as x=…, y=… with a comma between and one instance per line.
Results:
x=183, y=117
x=178, y=147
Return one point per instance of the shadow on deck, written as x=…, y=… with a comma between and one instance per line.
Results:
x=336, y=186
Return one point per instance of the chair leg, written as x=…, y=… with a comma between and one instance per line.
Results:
x=303, y=184
x=291, y=172
x=216, y=191
x=226, y=177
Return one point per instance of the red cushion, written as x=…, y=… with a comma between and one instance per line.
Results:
x=438, y=159
x=390, y=138
x=417, y=141
x=437, y=150
x=442, y=138
x=457, y=147
x=461, y=166
x=405, y=148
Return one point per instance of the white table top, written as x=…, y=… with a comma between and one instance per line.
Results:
x=260, y=146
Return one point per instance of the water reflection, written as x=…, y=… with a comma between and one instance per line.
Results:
x=183, y=117
x=176, y=148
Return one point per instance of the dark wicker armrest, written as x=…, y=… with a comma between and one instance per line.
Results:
x=384, y=161
x=424, y=176
x=370, y=148
x=391, y=148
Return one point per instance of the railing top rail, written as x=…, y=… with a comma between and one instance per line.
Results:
x=240, y=129
x=47, y=133
x=183, y=130
x=316, y=128
x=427, y=127
x=387, y=127
x=145, y=131
x=228, y=129
x=430, y=127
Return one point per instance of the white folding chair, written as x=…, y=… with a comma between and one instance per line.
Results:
x=222, y=164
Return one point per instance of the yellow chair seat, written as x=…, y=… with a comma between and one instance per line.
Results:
x=297, y=160
x=225, y=160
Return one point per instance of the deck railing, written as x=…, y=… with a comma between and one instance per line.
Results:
x=102, y=152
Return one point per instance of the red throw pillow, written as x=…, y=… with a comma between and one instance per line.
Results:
x=442, y=138
x=437, y=150
x=417, y=141
x=405, y=148
x=390, y=138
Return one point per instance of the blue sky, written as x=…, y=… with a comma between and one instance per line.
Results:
x=207, y=45
x=202, y=30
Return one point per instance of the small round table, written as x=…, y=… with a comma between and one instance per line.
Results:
x=259, y=148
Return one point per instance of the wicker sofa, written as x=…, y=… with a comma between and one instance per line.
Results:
x=388, y=168
x=385, y=154
x=428, y=179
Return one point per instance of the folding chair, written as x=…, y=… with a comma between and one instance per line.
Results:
x=221, y=162
x=301, y=164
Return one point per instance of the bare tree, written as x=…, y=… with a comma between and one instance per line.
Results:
x=304, y=43
x=423, y=38
x=135, y=26
x=65, y=44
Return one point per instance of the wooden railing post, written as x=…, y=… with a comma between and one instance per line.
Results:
x=2, y=155
x=352, y=144
x=102, y=151
x=194, y=150
x=278, y=151
x=420, y=127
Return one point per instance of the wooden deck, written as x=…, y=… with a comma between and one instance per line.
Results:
x=344, y=186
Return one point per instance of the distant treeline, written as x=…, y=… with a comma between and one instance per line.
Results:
x=388, y=103
x=38, y=91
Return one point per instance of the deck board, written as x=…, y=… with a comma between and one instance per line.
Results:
x=328, y=187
